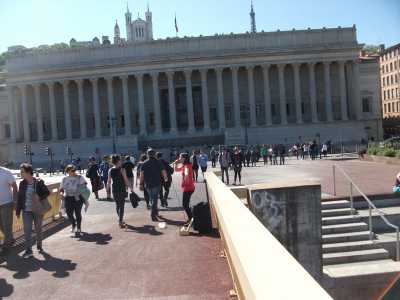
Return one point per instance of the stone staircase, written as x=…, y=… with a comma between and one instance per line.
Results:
x=345, y=239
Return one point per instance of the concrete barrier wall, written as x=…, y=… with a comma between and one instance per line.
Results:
x=262, y=268
x=55, y=203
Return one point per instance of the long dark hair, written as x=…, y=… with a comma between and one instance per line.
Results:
x=186, y=158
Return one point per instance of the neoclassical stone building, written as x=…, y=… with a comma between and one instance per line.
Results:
x=267, y=87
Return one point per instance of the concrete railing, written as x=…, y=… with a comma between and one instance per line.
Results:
x=55, y=203
x=261, y=267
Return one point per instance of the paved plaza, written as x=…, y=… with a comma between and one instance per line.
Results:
x=140, y=262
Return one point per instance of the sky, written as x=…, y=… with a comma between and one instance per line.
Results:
x=37, y=22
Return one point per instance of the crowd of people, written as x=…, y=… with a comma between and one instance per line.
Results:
x=116, y=174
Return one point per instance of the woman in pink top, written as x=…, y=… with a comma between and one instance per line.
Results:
x=184, y=166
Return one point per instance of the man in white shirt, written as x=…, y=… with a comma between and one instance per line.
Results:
x=8, y=196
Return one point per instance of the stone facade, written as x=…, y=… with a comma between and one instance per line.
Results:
x=270, y=86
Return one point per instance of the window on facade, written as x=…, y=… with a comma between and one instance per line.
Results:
x=228, y=113
x=273, y=110
x=151, y=119
x=391, y=79
x=389, y=108
x=366, y=104
x=395, y=78
x=387, y=68
x=259, y=109
x=213, y=114
x=392, y=106
x=391, y=67
x=392, y=93
x=384, y=95
x=395, y=65
x=384, y=108
x=384, y=81
x=7, y=133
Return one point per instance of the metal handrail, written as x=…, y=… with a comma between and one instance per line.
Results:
x=371, y=206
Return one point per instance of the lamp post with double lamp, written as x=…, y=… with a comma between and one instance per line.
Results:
x=246, y=125
x=113, y=129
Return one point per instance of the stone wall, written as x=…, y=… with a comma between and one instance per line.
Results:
x=291, y=211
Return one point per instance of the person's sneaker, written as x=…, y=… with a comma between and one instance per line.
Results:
x=28, y=253
x=148, y=206
x=40, y=249
x=154, y=218
x=78, y=233
x=122, y=224
x=73, y=229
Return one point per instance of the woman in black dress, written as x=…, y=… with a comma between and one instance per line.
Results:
x=119, y=181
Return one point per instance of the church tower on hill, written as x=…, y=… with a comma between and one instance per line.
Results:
x=139, y=30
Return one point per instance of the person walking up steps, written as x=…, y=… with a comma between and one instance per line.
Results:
x=29, y=188
x=70, y=186
x=213, y=156
x=151, y=171
x=119, y=181
x=184, y=166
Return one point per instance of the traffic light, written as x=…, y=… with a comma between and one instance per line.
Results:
x=26, y=149
x=47, y=150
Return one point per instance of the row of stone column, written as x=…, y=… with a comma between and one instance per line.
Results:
x=189, y=99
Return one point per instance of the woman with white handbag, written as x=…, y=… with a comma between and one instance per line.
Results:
x=33, y=203
x=71, y=188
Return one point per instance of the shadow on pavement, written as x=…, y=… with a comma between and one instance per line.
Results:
x=171, y=222
x=98, y=238
x=5, y=289
x=146, y=229
x=23, y=266
x=178, y=208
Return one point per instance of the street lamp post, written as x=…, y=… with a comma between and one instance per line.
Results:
x=113, y=134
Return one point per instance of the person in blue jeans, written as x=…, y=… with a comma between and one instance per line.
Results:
x=151, y=171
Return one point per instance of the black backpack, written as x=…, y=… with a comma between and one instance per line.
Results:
x=202, y=218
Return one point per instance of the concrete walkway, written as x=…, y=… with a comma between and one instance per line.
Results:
x=372, y=178
x=140, y=262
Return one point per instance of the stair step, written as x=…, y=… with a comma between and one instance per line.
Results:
x=349, y=246
x=354, y=256
x=345, y=237
x=340, y=219
x=335, y=204
x=337, y=212
x=374, y=267
x=342, y=228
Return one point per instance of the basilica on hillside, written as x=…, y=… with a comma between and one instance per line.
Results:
x=252, y=87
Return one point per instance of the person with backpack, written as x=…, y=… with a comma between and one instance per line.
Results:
x=29, y=188
x=103, y=170
x=165, y=185
x=151, y=171
x=93, y=174
x=203, y=160
x=282, y=154
x=224, y=162
x=195, y=165
x=142, y=159
x=184, y=166
x=128, y=165
x=70, y=188
x=119, y=181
